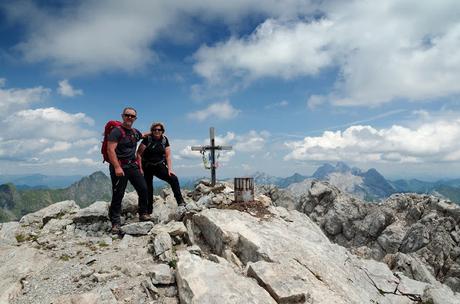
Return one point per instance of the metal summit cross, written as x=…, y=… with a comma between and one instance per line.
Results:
x=212, y=148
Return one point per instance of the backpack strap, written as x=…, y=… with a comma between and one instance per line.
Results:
x=150, y=142
x=163, y=142
x=123, y=132
x=137, y=133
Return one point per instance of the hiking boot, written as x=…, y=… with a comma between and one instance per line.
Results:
x=116, y=229
x=145, y=217
x=181, y=203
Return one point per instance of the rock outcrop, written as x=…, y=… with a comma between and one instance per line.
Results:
x=210, y=251
x=416, y=234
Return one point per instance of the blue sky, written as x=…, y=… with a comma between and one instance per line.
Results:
x=289, y=84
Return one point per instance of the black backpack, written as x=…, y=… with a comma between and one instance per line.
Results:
x=150, y=142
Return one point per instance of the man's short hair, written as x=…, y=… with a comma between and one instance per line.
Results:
x=128, y=108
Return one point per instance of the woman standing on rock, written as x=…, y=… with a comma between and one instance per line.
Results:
x=155, y=153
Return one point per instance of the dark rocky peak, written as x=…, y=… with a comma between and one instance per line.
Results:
x=326, y=169
x=342, y=167
x=323, y=171
x=356, y=171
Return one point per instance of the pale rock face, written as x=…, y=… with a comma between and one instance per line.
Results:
x=391, y=238
x=42, y=216
x=404, y=223
x=8, y=232
x=56, y=225
x=85, y=298
x=16, y=264
x=285, y=255
x=229, y=256
x=130, y=204
x=164, y=210
x=141, y=228
x=95, y=212
x=287, y=200
x=162, y=245
x=173, y=228
x=205, y=282
x=162, y=274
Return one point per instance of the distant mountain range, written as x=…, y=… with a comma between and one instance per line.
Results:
x=15, y=202
x=369, y=185
x=20, y=195
x=18, y=200
x=39, y=181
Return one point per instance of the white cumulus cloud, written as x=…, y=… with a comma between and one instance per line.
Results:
x=58, y=146
x=274, y=49
x=77, y=161
x=219, y=110
x=384, y=51
x=50, y=123
x=34, y=138
x=67, y=90
x=251, y=142
x=15, y=99
x=427, y=142
x=95, y=36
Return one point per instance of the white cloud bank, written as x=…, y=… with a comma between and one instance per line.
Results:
x=40, y=137
x=218, y=110
x=14, y=99
x=67, y=90
x=384, y=50
x=95, y=36
x=429, y=142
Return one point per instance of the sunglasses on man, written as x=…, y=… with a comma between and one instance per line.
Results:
x=129, y=115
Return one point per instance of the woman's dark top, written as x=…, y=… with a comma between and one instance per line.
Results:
x=155, y=149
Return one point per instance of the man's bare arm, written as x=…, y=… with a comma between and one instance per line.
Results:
x=111, y=146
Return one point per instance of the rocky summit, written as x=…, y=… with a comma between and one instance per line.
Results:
x=215, y=251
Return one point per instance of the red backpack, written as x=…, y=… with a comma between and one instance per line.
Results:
x=108, y=128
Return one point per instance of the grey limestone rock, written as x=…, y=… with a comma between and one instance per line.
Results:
x=391, y=238
x=162, y=274
x=162, y=245
x=8, y=232
x=130, y=204
x=295, y=260
x=97, y=211
x=173, y=228
x=205, y=282
x=140, y=228
x=42, y=216
x=405, y=223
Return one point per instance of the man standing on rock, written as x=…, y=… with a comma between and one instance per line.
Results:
x=121, y=149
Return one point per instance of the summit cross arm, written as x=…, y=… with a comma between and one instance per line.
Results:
x=212, y=148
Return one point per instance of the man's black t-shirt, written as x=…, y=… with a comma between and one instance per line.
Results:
x=126, y=148
x=154, y=151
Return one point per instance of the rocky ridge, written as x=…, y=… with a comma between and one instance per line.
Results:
x=416, y=234
x=211, y=251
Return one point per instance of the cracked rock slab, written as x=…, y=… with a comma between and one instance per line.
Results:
x=294, y=260
x=173, y=228
x=205, y=282
x=283, y=283
x=17, y=263
x=42, y=216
